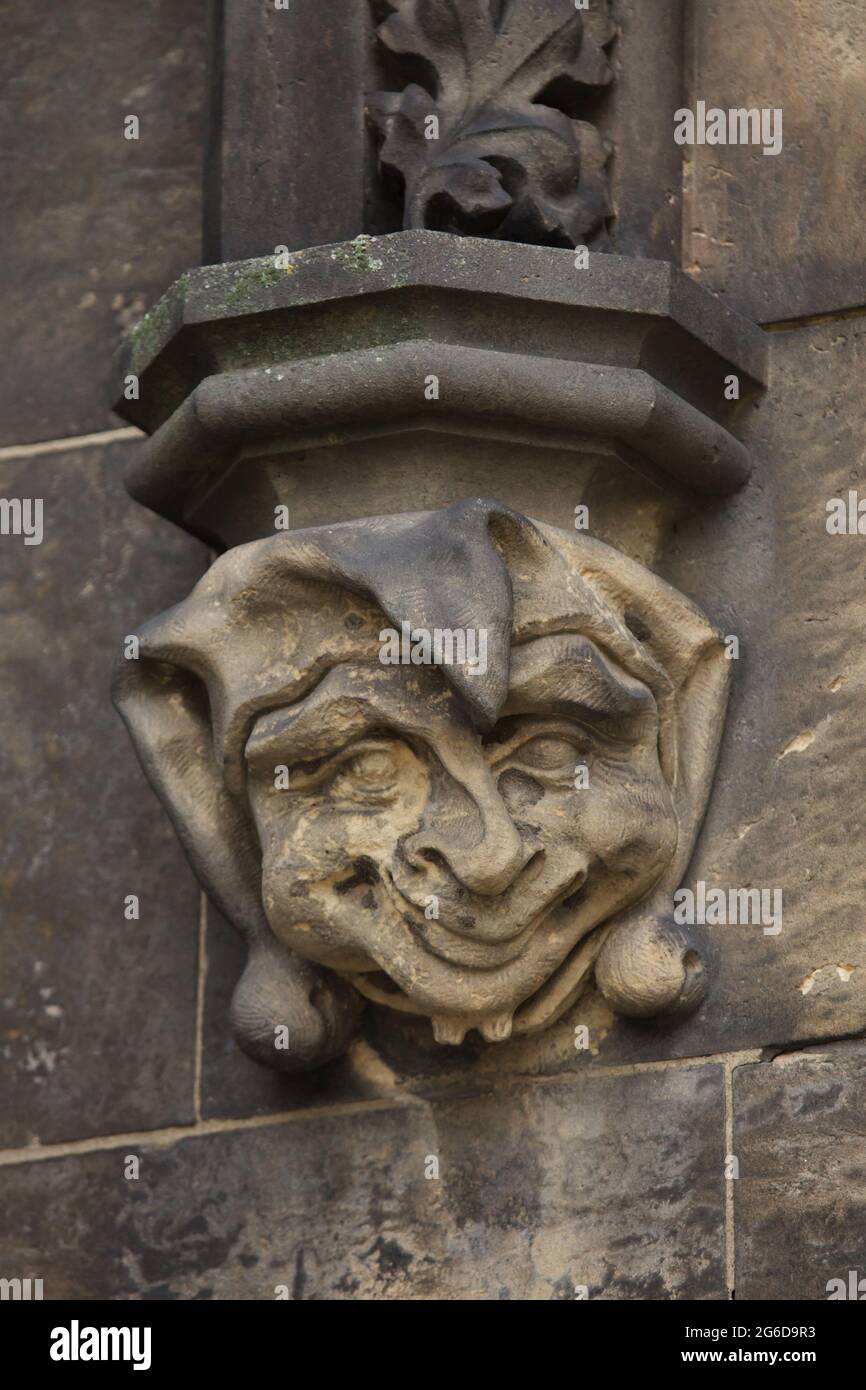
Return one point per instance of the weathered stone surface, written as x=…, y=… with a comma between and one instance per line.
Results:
x=800, y=1200
x=782, y=236
x=288, y=148
x=332, y=1208
x=646, y=171
x=99, y=1012
x=101, y=224
x=784, y=812
x=615, y=1184
x=485, y=131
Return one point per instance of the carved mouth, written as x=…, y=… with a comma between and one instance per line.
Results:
x=379, y=988
x=494, y=1025
x=420, y=926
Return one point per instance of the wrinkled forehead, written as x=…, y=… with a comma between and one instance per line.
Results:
x=565, y=674
x=266, y=639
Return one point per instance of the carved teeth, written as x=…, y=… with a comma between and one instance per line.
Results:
x=496, y=1028
x=449, y=1030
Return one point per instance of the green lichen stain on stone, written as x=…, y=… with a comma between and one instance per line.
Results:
x=259, y=275
x=356, y=254
x=152, y=331
x=244, y=325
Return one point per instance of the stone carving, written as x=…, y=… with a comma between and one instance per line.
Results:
x=490, y=146
x=451, y=762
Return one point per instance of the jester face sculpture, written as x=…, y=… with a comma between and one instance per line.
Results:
x=444, y=836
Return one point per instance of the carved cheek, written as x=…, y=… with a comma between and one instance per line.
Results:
x=622, y=820
x=314, y=846
x=628, y=822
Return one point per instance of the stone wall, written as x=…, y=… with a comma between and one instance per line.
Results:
x=608, y=1170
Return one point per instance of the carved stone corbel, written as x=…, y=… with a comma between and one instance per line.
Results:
x=468, y=832
x=333, y=783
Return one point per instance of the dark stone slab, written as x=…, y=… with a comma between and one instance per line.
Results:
x=331, y=1208
x=101, y=224
x=288, y=147
x=98, y=1012
x=615, y=1184
x=780, y=237
x=800, y=1200
x=646, y=171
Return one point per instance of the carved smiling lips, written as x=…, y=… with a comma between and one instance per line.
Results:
x=494, y=1027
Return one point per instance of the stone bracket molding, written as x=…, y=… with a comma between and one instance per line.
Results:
x=631, y=354
x=324, y=292
x=486, y=142
x=396, y=397
x=370, y=388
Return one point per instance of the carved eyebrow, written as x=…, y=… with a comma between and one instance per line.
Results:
x=562, y=674
x=350, y=702
x=311, y=731
x=568, y=674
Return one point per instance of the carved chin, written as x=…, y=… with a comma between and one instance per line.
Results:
x=462, y=1006
x=379, y=988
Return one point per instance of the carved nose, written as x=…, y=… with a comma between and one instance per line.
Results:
x=486, y=864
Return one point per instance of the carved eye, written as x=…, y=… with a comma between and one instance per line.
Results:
x=548, y=753
x=552, y=756
x=375, y=768
x=371, y=772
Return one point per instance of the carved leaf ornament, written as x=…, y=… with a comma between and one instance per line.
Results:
x=481, y=154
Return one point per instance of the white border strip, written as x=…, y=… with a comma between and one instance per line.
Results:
x=60, y=446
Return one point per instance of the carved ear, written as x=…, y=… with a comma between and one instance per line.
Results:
x=166, y=711
x=647, y=966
